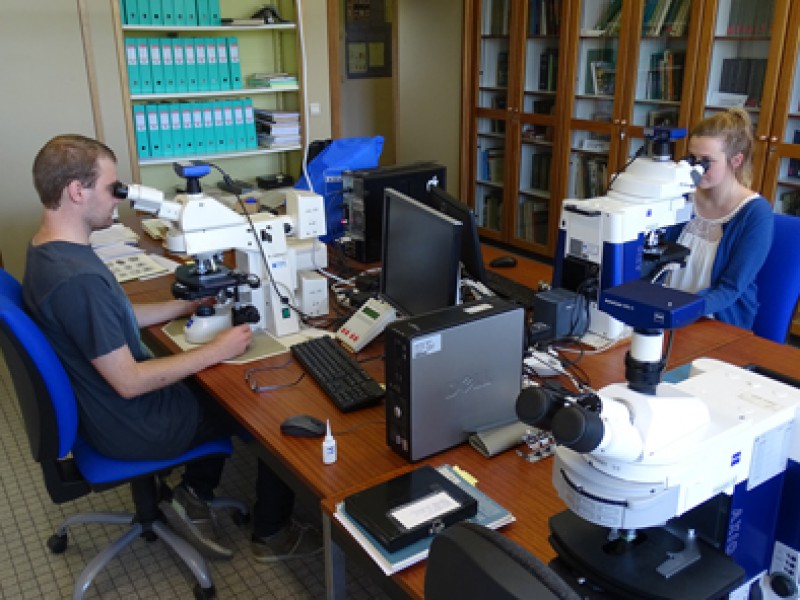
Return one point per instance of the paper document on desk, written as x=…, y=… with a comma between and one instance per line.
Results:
x=490, y=514
x=117, y=233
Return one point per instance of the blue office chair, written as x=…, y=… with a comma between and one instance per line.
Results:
x=779, y=281
x=72, y=468
x=10, y=287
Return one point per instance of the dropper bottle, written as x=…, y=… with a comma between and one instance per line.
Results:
x=328, y=446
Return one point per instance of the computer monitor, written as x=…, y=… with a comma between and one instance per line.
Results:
x=420, y=256
x=471, y=253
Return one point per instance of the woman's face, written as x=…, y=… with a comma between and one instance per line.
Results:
x=719, y=167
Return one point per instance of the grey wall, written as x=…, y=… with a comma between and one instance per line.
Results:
x=44, y=92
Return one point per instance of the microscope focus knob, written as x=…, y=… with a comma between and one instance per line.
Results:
x=578, y=428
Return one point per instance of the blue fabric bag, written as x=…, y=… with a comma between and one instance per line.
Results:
x=325, y=172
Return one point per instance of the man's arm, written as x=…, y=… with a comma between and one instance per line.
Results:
x=159, y=312
x=131, y=378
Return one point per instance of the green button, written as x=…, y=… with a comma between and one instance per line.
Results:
x=286, y=312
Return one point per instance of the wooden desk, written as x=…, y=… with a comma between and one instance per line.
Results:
x=363, y=456
x=526, y=489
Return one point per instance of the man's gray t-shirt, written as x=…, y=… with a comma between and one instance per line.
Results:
x=85, y=314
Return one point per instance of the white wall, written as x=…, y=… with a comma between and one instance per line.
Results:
x=428, y=72
x=44, y=92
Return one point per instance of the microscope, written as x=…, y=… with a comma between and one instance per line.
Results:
x=605, y=241
x=275, y=256
x=673, y=490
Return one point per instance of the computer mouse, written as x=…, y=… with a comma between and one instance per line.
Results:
x=503, y=261
x=303, y=426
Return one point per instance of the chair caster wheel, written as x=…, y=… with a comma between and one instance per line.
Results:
x=57, y=543
x=201, y=593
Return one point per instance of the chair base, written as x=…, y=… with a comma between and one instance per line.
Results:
x=185, y=551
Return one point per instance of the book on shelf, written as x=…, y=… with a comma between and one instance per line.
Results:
x=596, y=55
x=492, y=213
x=548, y=69
x=533, y=221
x=496, y=164
x=544, y=17
x=678, y=21
x=609, y=17
x=502, y=69
x=603, y=78
x=794, y=163
x=498, y=19
x=789, y=203
x=490, y=514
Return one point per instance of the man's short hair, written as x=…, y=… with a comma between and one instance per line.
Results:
x=64, y=159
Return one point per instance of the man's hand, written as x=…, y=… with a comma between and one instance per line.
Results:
x=232, y=342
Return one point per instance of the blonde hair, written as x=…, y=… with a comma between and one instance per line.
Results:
x=735, y=128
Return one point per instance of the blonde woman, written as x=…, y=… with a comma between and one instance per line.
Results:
x=731, y=230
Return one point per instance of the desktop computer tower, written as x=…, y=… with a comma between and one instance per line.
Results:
x=452, y=372
x=363, y=201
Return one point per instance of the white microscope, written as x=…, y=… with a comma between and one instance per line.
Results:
x=274, y=282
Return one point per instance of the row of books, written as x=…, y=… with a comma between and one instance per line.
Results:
x=591, y=175
x=789, y=202
x=750, y=17
x=600, y=65
x=544, y=17
x=177, y=65
x=744, y=76
x=548, y=69
x=659, y=18
x=794, y=163
x=277, y=128
x=188, y=128
x=170, y=13
x=540, y=170
x=491, y=210
x=280, y=81
x=665, y=76
x=491, y=164
x=532, y=224
x=498, y=12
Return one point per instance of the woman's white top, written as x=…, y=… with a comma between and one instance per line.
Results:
x=702, y=237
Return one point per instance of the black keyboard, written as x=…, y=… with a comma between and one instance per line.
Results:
x=511, y=290
x=345, y=381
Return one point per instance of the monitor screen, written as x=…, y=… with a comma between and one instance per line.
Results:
x=420, y=255
x=471, y=253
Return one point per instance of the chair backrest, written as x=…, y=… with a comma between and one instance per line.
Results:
x=779, y=281
x=45, y=397
x=470, y=561
x=10, y=287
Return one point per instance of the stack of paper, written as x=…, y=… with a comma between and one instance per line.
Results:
x=117, y=233
x=277, y=128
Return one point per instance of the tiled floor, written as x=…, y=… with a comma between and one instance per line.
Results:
x=28, y=571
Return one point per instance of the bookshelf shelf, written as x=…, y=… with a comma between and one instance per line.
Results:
x=191, y=119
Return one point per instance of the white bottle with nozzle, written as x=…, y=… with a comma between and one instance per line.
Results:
x=328, y=446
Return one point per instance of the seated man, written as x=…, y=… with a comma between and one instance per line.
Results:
x=131, y=405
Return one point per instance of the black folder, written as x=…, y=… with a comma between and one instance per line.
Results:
x=409, y=507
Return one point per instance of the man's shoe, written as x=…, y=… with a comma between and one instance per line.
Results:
x=189, y=515
x=293, y=541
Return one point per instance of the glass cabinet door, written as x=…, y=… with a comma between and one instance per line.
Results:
x=782, y=176
x=539, y=102
x=743, y=65
x=597, y=105
x=492, y=111
x=667, y=42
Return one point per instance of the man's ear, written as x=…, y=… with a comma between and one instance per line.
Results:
x=74, y=191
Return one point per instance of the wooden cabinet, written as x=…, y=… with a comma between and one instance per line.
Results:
x=622, y=65
x=197, y=115
x=516, y=58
